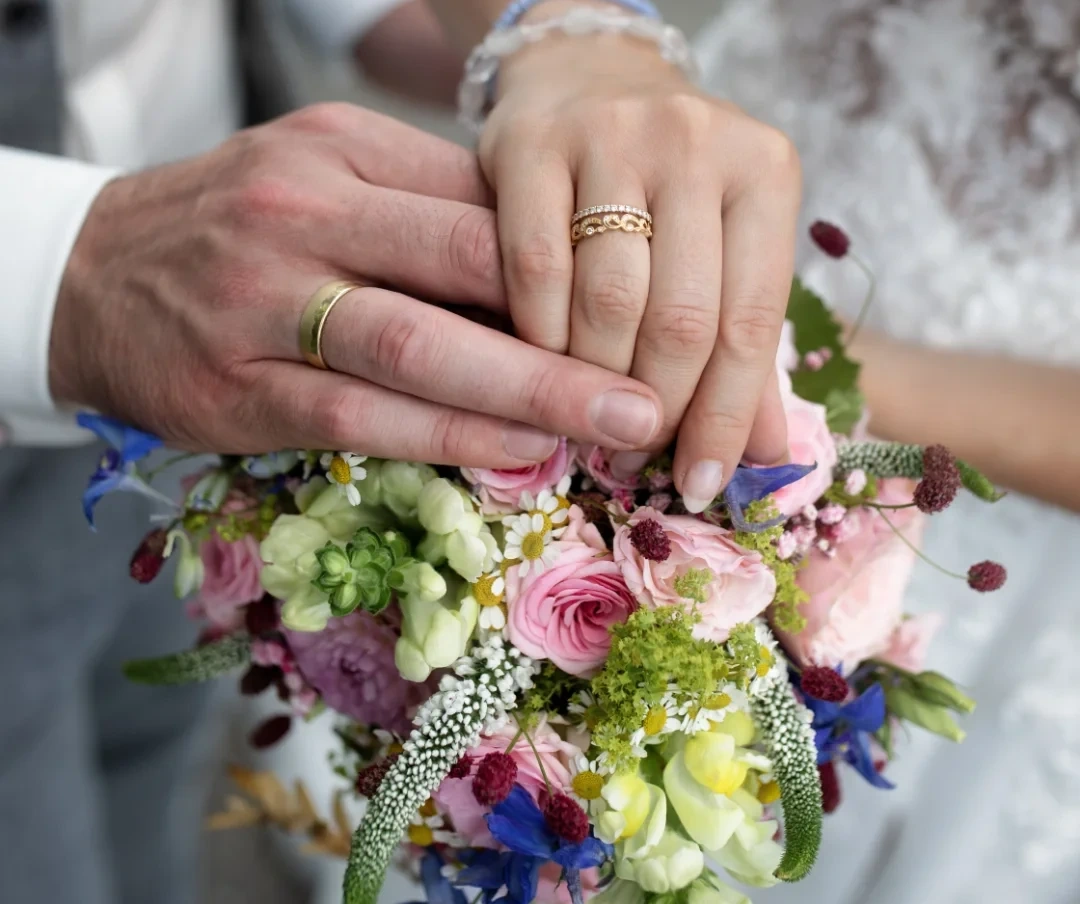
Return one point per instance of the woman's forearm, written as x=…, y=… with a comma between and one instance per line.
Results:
x=467, y=21
x=1017, y=421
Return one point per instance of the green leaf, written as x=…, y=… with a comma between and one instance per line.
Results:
x=835, y=385
x=903, y=702
x=191, y=666
x=936, y=688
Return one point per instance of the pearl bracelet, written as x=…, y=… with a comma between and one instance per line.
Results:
x=481, y=69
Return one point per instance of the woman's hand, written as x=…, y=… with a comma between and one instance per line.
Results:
x=593, y=120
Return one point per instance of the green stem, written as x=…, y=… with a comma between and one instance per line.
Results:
x=536, y=753
x=867, y=302
x=881, y=506
x=918, y=552
x=168, y=463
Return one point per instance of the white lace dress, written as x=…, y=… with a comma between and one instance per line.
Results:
x=944, y=135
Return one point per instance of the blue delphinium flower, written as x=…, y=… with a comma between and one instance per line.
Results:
x=843, y=731
x=116, y=471
x=751, y=484
x=519, y=824
x=437, y=888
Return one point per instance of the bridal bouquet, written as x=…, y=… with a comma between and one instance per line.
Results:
x=553, y=683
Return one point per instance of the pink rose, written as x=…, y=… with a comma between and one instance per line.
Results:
x=455, y=795
x=579, y=530
x=810, y=441
x=910, y=640
x=231, y=581
x=857, y=595
x=500, y=490
x=741, y=588
x=565, y=612
x=594, y=461
x=551, y=889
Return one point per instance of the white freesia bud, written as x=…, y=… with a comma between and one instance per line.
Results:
x=341, y=518
x=467, y=555
x=627, y=800
x=441, y=507
x=432, y=548
x=434, y=631
x=401, y=484
x=670, y=865
x=209, y=492
x=423, y=582
x=289, y=553
x=306, y=612
x=189, y=569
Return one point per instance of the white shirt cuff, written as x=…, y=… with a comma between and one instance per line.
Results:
x=336, y=24
x=45, y=203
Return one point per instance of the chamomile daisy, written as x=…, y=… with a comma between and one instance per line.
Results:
x=657, y=724
x=550, y=507
x=427, y=827
x=528, y=539
x=713, y=707
x=488, y=592
x=587, y=779
x=769, y=662
x=344, y=469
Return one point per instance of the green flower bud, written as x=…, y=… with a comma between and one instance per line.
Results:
x=344, y=599
x=209, y=492
x=419, y=580
x=189, y=570
x=907, y=706
x=936, y=688
x=333, y=564
x=402, y=483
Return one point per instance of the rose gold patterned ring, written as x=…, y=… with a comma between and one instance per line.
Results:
x=609, y=218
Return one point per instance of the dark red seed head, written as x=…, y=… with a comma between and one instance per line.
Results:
x=940, y=481
x=830, y=787
x=830, y=239
x=494, y=779
x=462, y=768
x=648, y=538
x=986, y=576
x=370, y=777
x=257, y=679
x=270, y=732
x=824, y=684
x=150, y=556
x=261, y=617
x=566, y=819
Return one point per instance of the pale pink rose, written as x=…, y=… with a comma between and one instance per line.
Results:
x=810, y=441
x=565, y=612
x=594, y=461
x=500, y=490
x=455, y=795
x=231, y=581
x=857, y=595
x=742, y=585
x=579, y=530
x=910, y=641
x=551, y=889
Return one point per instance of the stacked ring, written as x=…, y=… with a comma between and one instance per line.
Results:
x=609, y=218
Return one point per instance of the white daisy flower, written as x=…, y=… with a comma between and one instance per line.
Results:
x=344, y=469
x=550, y=506
x=529, y=539
x=658, y=723
x=713, y=708
x=492, y=618
x=587, y=779
x=427, y=827
x=770, y=663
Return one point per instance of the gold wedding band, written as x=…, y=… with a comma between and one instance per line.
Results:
x=314, y=319
x=609, y=218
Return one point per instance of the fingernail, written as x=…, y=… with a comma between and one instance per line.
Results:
x=628, y=464
x=701, y=485
x=527, y=443
x=626, y=417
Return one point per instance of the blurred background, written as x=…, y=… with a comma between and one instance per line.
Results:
x=246, y=866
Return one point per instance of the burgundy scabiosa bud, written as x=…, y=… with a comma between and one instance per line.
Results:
x=824, y=684
x=257, y=679
x=649, y=539
x=461, y=768
x=940, y=482
x=986, y=576
x=261, y=617
x=830, y=239
x=270, y=732
x=150, y=556
x=566, y=819
x=370, y=777
x=830, y=787
x=494, y=780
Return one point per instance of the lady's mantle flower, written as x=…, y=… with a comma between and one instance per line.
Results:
x=528, y=538
x=116, y=471
x=343, y=470
x=520, y=825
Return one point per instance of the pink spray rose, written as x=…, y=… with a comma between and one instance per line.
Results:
x=231, y=580
x=741, y=588
x=857, y=595
x=455, y=795
x=552, y=889
x=500, y=490
x=910, y=640
x=565, y=612
x=594, y=461
x=810, y=441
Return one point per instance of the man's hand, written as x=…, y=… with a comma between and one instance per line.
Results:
x=180, y=307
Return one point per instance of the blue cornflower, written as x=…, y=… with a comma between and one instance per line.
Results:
x=519, y=824
x=843, y=731
x=751, y=484
x=116, y=470
x=437, y=888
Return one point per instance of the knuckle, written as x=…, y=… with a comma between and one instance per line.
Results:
x=544, y=395
x=777, y=151
x=541, y=262
x=324, y=117
x=722, y=425
x=690, y=119
x=450, y=437
x=753, y=324
x=473, y=248
x=340, y=417
x=614, y=298
x=684, y=326
x=265, y=197
x=401, y=349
